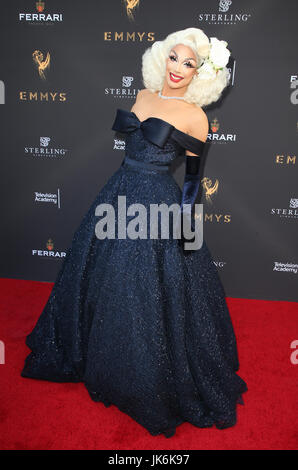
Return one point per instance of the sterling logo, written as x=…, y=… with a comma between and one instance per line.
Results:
x=44, y=141
x=127, y=81
x=49, y=253
x=223, y=17
x=40, y=18
x=44, y=150
x=41, y=64
x=291, y=213
x=125, y=91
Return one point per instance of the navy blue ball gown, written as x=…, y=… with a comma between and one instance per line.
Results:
x=144, y=325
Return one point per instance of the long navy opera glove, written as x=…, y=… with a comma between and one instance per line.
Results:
x=189, y=193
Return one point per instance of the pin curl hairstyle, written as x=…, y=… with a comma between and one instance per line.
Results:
x=200, y=91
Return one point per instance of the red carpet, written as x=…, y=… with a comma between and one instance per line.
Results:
x=45, y=415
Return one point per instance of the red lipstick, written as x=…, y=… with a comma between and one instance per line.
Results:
x=175, y=78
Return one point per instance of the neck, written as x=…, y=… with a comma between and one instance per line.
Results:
x=167, y=91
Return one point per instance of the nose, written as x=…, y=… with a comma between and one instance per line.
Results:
x=177, y=67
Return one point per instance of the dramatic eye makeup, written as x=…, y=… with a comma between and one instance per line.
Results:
x=189, y=64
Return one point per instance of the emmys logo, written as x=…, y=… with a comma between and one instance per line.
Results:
x=209, y=189
x=210, y=192
x=130, y=6
x=41, y=64
x=2, y=92
x=128, y=36
x=285, y=159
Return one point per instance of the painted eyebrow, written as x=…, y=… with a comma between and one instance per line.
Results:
x=187, y=58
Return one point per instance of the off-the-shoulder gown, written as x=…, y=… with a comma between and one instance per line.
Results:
x=143, y=324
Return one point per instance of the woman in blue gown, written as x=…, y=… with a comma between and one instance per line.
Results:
x=143, y=322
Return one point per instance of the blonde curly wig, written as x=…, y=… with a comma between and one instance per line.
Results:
x=200, y=91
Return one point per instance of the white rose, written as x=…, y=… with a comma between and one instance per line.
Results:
x=219, y=54
x=206, y=71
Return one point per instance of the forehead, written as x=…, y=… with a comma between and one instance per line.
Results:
x=183, y=50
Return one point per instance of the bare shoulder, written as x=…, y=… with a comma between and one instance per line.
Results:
x=198, y=124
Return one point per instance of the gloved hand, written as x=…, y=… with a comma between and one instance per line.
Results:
x=189, y=193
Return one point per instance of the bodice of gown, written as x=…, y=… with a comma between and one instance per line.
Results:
x=154, y=140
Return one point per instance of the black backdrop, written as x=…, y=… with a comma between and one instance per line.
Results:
x=58, y=149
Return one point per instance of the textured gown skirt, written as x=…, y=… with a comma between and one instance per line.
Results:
x=143, y=324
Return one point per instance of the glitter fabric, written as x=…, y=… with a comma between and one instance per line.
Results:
x=144, y=325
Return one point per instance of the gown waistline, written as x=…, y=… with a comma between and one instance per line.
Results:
x=147, y=165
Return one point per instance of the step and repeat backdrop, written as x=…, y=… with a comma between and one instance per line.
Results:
x=65, y=68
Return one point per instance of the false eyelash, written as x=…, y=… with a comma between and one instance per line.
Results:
x=188, y=63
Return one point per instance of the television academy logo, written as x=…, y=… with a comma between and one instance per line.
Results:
x=40, y=18
x=223, y=16
x=53, y=198
x=126, y=91
x=288, y=213
x=220, y=138
x=119, y=144
x=44, y=150
x=49, y=252
x=285, y=267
